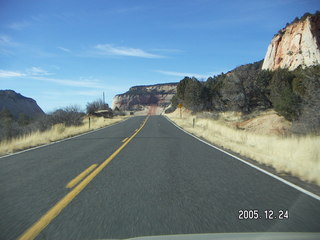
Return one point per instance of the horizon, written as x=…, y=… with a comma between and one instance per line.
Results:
x=70, y=53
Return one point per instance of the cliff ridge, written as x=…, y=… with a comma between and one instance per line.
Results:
x=139, y=97
x=298, y=44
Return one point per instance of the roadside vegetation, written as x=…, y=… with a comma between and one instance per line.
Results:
x=297, y=155
x=26, y=132
x=293, y=96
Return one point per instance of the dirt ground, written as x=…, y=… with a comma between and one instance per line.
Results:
x=268, y=122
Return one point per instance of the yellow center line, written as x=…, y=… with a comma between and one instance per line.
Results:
x=77, y=179
x=125, y=139
x=37, y=227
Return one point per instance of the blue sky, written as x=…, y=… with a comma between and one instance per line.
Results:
x=69, y=52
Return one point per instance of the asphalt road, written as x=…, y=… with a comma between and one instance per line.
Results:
x=163, y=181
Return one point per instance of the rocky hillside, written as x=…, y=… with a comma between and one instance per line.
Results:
x=298, y=44
x=138, y=97
x=18, y=104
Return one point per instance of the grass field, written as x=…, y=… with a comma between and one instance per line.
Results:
x=295, y=155
x=57, y=132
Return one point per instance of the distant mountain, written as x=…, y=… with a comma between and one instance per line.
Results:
x=295, y=45
x=140, y=96
x=18, y=104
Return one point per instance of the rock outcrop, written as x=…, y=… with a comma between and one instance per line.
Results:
x=18, y=104
x=138, y=97
x=298, y=44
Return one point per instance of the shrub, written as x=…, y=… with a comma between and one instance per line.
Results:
x=11, y=127
x=97, y=105
x=71, y=115
x=298, y=86
x=191, y=93
x=174, y=101
x=282, y=96
x=307, y=85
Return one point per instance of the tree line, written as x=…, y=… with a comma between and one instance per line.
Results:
x=295, y=95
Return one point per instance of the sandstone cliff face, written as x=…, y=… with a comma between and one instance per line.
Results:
x=296, y=45
x=18, y=104
x=140, y=96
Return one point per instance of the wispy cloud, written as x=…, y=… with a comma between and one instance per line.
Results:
x=9, y=74
x=109, y=49
x=64, y=49
x=37, y=71
x=73, y=93
x=186, y=74
x=7, y=45
x=33, y=71
x=72, y=83
x=19, y=25
x=5, y=40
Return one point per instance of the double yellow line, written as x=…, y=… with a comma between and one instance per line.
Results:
x=77, y=179
x=38, y=226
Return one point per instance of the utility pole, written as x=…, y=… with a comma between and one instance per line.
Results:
x=180, y=106
x=104, y=102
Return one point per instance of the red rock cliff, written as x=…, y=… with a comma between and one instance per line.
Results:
x=295, y=45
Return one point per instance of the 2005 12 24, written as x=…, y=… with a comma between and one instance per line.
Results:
x=268, y=214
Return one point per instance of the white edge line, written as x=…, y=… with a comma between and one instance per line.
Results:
x=250, y=164
x=65, y=139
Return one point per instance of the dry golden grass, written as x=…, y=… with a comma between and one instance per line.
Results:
x=57, y=132
x=298, y=156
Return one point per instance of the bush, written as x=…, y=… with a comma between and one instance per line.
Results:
x=282, y=96
x=307, y=85
x=71, y=115
x=97, y=105
x=11, y=127
x=174, y=101
x=298, y=86
x=191, y=93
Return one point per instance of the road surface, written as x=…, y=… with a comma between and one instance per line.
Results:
x=150, y=178
x=152, y=110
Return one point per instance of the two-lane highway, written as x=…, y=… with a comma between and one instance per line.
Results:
x=159, y=181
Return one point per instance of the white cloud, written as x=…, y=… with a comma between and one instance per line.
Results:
x=37, y=71
x=108, y=49
x=8, y=74
x=185, y=74
x=64, y=49
x=34, y=71
x=73, y=93
x=68, y=82
x=6, y=41
x=40, y=74
x=7, y=44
